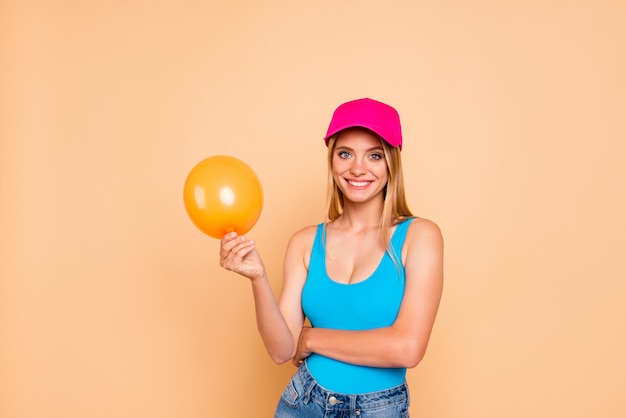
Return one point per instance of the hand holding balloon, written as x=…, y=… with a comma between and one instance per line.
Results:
x=222, y=194
x=238, y=254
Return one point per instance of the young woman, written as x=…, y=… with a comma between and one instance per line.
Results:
x=369, y=280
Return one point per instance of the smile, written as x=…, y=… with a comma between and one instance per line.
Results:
x=358, y=183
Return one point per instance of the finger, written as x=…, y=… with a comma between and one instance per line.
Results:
x=241, y=249
x=233, y=259
x=232, y=245
x=229, y=236
x=228, y=240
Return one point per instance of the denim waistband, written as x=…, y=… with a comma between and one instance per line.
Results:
x=342, y=401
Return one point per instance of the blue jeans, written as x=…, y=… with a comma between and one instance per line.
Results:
x=304, y=398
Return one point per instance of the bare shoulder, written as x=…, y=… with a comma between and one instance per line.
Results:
x=424, y=232
x=301, y=242
x=303, y=236
x=300, y=246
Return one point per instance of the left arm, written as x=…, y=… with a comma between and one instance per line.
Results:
x=402, y=344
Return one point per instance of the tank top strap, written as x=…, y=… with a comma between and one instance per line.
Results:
x=318, y=244
x=399, y=235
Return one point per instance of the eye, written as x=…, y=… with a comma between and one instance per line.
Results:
x=376, y=156
x=343, y=154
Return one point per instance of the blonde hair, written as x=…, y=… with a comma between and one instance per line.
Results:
x=395, y=208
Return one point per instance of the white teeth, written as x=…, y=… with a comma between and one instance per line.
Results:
x=359, y=183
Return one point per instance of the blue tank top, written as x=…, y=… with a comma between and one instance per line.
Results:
x=372, y=303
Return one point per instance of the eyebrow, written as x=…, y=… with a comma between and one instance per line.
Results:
x=345, y=147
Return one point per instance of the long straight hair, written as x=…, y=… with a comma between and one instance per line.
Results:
x=395, y=208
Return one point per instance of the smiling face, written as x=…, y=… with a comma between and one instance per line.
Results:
x=359, y=167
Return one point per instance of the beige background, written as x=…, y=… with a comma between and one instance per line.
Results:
x=113, y=305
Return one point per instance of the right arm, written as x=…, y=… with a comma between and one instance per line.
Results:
x=279, y=322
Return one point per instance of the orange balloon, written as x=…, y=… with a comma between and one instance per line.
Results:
x=223, y=194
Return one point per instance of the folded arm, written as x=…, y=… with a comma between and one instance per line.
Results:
x=403, y=344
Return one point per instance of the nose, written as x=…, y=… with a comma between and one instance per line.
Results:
x=358, y=167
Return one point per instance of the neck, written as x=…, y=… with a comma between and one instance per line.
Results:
x=360, y=217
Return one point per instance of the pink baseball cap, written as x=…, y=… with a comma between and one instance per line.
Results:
x=376, y=116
